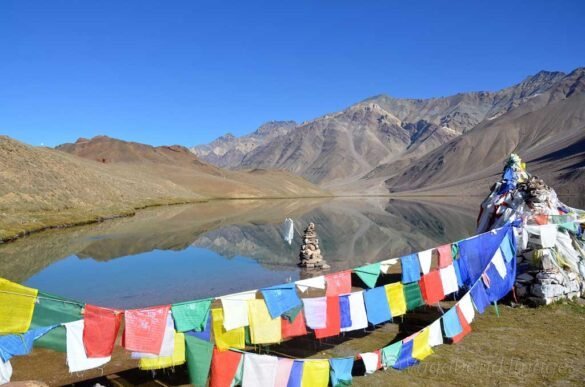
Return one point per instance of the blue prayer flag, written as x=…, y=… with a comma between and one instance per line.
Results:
x=280, y=298
x=410, y=268
x=377, y=307
x=476, y=253
x=451, y=325
x=479, y=297
x=296, y=374
x=499, y=286
x=341, y=371
x=21, y=344
x=458, y=273
x=344, y=311
x=405, y=358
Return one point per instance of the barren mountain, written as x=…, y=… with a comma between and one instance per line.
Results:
x=548, y=132
x=42, y=187
x=356, y=149
x=228, y=150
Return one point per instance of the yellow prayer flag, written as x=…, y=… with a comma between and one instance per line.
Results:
x=263, y=329
x=396, y=300
x=315, y=373
x=421, y=348
x=236, y=338
x=17, y=304
x=176, y=359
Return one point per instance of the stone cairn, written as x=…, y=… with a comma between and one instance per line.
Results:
x=310, y=255
x=545, y=273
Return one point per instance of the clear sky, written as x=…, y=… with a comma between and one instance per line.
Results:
x=185, y=72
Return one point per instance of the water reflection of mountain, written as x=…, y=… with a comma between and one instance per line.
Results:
x=352, y=231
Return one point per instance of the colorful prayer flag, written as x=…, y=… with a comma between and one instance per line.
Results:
x=226, y=339
x=191, y=315
x=100, y=330
x=333, y=324
x=17, y=304
x=263, y=328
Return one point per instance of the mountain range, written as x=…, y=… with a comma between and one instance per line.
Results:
x=447, y=145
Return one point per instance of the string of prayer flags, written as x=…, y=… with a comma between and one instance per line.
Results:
x=371, y=360
x=51, y=310
x=479, y=297
x=340, y=372
x=413, y=296
x=390, y=354
x=235, y=309
x=191, y=315
x=431, y=287
x=465, y=327
x=445, y=255
x=77, y=359
x=315, y=312
x=17, y=304
x=369, y=274
x=451, y=325
x=420, y=345
x=259, y=370
x=315, y=283
x=410, y=268
x=295, y=328
x=344, y=311
x=224, y=340
x=145, y=328
x=296, y=374
x=263, y=328
x=224, y=366
x=396, y=300
x=315, y=373
x=199, y=354
x=377, y=307
x=100, y=330
x=405, y=358
x=280, y=299
x=283, y=371
x=449, y=280
x=424, y=259
x=20, y=344
x=177, y=358
x=338, y=283
x=333, y=324
x=435, y=333
x=357, y=310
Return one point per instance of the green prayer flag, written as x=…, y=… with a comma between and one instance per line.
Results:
x=571, y=227
x=455, y=250
x=369, y=274
x=51, y=310
x=390, y=354
x=199, y=353
x=191, y=315
x=413, y=296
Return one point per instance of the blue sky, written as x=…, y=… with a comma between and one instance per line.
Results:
x=185, y=72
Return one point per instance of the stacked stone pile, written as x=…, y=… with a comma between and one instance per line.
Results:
x=310, y=255
x=551, y=258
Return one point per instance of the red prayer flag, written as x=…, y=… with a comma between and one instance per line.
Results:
x=338, y=283
x=333, y=319
x=466, y=327
x=295, y=328
x=145, y=329
x=100, y=330
x=224, y=366
x=431, y=287
x=379, y=353
x=445, y=256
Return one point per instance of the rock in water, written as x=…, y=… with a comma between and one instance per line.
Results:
x=310, y=255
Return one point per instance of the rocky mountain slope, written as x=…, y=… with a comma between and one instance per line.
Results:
x=548, y=132
x=338, y=149
x=42, y=187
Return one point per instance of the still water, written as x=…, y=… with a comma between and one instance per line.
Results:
x=170, y=254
